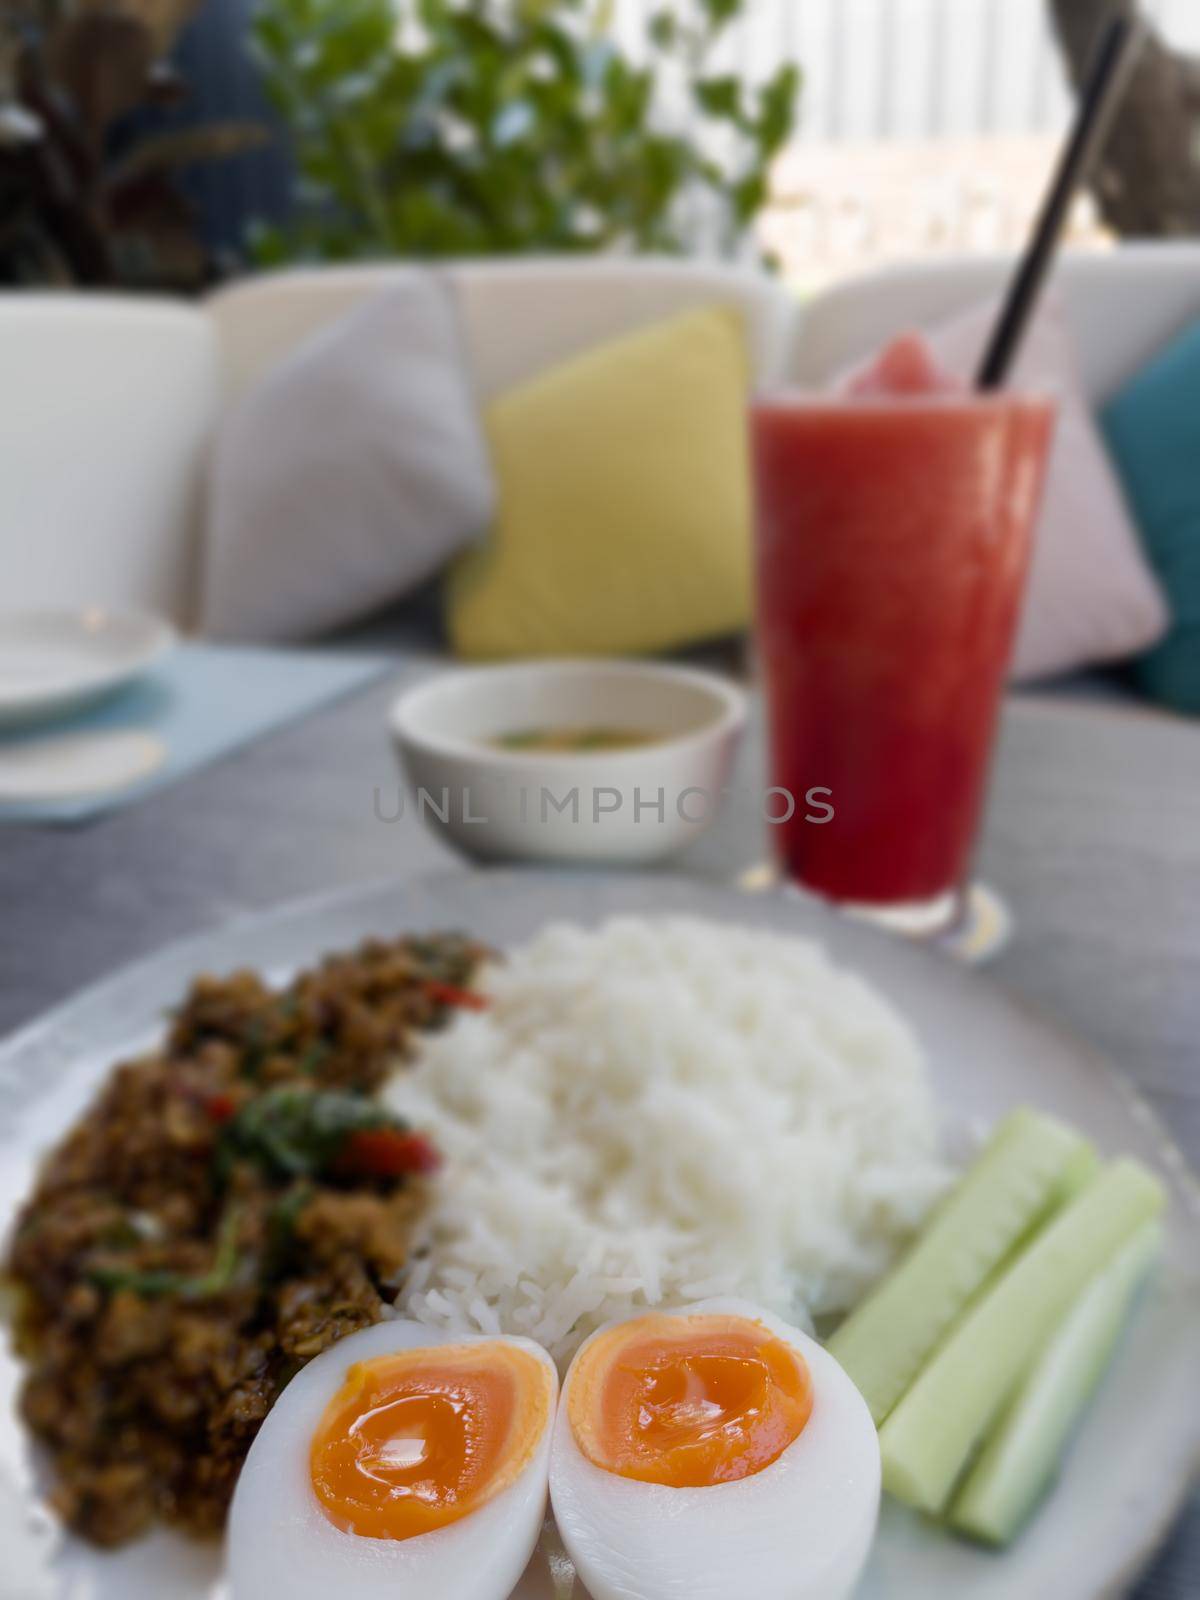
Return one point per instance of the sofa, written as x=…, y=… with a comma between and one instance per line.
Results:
x=110, y=404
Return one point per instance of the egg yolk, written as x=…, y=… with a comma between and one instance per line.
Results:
x=688, y=1401
x=416, y=1440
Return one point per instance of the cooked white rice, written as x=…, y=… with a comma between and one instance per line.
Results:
x=660, y=1110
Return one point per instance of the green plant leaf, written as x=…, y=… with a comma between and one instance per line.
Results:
x=101, y=60
x=512, y=123
x=185, y=147
x=720, y=13
x=749, y=195
x=504, y=126
x=720, y=97
x=663, y=29
x=777, y=108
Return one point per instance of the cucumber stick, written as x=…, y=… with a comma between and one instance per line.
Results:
x=929, y=1437
x=1025, y=1171
x=1023, y=1454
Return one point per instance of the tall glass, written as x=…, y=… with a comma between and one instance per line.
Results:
x=893, y=543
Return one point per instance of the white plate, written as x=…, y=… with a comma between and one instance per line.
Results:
x=61, y=766
x=52, y=662
x=1140, y=1445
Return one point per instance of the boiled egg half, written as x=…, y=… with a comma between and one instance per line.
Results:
x=398, y=1464
x=714, y=1452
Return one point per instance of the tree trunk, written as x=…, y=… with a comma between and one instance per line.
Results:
x=1147, y=181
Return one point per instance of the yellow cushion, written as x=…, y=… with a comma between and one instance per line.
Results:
x=624, y=501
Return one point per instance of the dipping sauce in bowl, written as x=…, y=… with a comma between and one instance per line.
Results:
x=619, y=761
x=575, y=740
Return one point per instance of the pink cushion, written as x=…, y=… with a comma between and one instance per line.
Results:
x=1092, y=595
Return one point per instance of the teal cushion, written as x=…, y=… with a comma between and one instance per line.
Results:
x=1153, y=429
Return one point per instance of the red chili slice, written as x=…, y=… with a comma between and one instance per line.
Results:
x=220, y=1107
x=448, y=994
x=388, y=1153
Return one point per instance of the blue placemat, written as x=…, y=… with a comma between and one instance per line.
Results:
x=202, y=702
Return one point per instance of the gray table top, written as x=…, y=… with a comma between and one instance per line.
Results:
x=1093, y=836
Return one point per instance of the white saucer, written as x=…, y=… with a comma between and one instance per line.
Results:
x=52, y=662
x=68, y=766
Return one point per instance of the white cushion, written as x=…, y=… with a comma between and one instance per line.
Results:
x=260, y=321
x=521, y=316
x=1121, y=306
x=105, y=410
x=349, y=474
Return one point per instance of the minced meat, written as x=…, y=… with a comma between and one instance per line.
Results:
x=227, y=1208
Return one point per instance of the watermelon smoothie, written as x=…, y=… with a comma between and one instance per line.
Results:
x=894, y=530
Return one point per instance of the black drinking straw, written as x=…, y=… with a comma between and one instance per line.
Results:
x=1099, y=98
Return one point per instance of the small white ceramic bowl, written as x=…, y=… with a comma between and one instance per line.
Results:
x=619, y=805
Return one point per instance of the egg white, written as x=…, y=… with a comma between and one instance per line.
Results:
x=800, y=1529
x=281, y=1542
